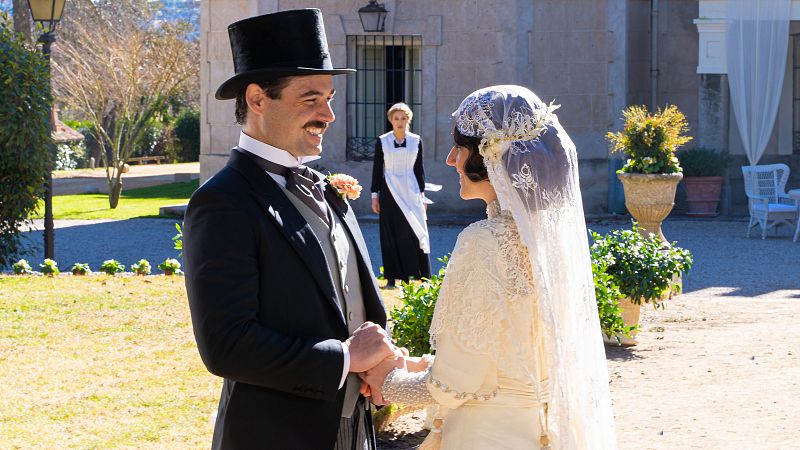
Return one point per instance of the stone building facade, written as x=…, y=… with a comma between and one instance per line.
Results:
x=593, y=57
x=718, y=127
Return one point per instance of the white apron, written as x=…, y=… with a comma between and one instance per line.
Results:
x=398, y=175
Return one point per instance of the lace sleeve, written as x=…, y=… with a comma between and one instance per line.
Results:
x=407, y=388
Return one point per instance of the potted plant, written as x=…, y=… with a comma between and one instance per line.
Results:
x=80, y=269
x=22, y=267
x=608, y=298
x=652, y=170
x=703, y=169
x=49, y=267
x=142, y=267
x=170, y=266
x=111, y=267
x=642, y=267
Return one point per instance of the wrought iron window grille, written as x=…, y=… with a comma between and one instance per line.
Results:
x=389, y=70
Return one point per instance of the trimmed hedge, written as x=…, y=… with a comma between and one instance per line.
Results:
x=187, y=135
x=26, y=150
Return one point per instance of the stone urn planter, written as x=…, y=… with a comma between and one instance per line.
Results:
x=650, y=198
x=702, y=195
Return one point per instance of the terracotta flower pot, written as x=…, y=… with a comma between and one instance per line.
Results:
x=650, y=198
x=630, y=316
x=702, y=195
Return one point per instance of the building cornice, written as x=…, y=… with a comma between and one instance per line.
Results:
x=711, y=25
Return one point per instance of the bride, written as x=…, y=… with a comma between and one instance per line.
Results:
x=519, y=359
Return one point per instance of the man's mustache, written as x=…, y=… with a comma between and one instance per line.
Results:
x=317, y=124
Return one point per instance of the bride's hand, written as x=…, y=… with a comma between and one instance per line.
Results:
x=415, y=363
x=377, y=375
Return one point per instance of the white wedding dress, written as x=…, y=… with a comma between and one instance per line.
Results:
x=485, y=336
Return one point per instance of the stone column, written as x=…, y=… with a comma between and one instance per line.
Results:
x=713, y=111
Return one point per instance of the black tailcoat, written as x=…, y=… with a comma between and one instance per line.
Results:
x=265, y=312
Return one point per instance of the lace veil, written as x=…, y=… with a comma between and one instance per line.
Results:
x=533, y=167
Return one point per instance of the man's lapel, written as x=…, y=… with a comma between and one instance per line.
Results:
x=345, y=213
x=289, y=220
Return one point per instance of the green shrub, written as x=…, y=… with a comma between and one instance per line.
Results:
x=178, y=239
x=71, y=156
x=111, y=267
x=650, y=140
x=642, y=267
x=90, y=144
x=22, y=267
x=186, y=135
x=26, y=149
x=142, y=267
x=81, y=269
x=154, y=139
x=49, y=267
x=704, y=162
x=608, y=295
x=412, y=319
x=170, y=266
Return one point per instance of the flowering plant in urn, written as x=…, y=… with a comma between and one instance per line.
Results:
x=345, y=186
x=650, y=140
x=652, y=171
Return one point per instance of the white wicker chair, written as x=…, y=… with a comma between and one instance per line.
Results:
x=769, y=205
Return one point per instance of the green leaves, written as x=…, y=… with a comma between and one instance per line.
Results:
x=412, y=320
x=25, y=144
x=704, y=162
x=178, y=239
x=608, y=295
x=642, y=267
x=650, y=140
x=111, y=267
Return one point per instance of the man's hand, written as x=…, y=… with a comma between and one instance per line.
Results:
x=368, y=346
x=375, y=377
x=376, y=206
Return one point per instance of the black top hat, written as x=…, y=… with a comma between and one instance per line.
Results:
x=276, y=45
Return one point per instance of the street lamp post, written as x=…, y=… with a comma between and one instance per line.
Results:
x=47, y=13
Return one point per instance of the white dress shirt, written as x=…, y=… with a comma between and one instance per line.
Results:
x=286, y=159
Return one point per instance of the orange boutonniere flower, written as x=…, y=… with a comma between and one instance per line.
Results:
x=345, y=185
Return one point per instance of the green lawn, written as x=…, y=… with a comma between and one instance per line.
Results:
x=102, y=362
x=143, y=202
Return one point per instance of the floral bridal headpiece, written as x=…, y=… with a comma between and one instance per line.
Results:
x=479, y=116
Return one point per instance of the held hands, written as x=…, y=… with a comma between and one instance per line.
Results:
x=373, y=356
x=372, y=379
x=368, y=346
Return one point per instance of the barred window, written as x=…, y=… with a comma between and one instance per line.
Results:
x=389, y=70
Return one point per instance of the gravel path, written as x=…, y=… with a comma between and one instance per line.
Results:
x=127, y=241
x=724, y=257
x=717, y=369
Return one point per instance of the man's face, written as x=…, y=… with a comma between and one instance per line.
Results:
x=296, y=121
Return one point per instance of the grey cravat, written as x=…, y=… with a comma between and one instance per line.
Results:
x=301, y=182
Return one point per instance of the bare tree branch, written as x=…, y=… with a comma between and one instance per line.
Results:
x=120, y=78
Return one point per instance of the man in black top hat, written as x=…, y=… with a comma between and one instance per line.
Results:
x=284, y=303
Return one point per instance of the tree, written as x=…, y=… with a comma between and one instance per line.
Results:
x=24, y=136
x=22, y=18
x=121, y=73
